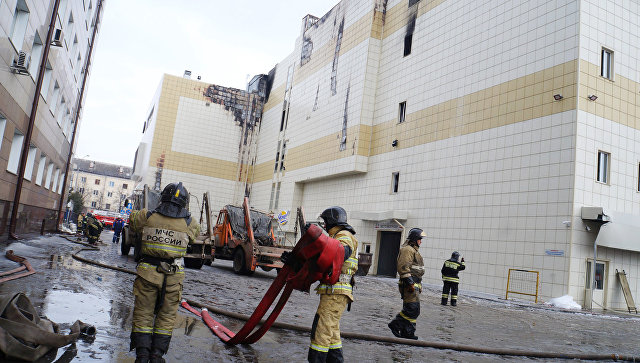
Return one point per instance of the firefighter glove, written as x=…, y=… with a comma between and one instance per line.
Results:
x=462, y=259
x=408, y=283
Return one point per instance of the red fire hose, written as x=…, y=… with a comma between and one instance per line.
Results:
x=315, y=256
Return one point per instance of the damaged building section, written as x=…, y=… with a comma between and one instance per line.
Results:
x=157, y=185
x=315, y=103
x=343, y=138
x=411, y=26
x=336, y=56
x=246, y=110
x=307, y=45
x=381, y=7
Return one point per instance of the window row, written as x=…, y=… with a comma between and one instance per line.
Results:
x=48, y=175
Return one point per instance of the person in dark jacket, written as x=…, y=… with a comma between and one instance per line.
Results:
x=117, y=229
x=450, y=278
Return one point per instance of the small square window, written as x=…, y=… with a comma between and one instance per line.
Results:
x=95, y=192
x=604, y=162
x=124, y=186
x=83, y=179
x=107, y=206
x=606, y=70
x=81, y=190
x=97, y=181
x=93, y=204
x=395, y=181
x=402, y=110
x=110, y=194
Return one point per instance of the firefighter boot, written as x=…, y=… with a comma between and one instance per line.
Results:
x=316, y=356
x=141, y=342
x=454, y=302
x=159, y=348
x=395, y=328
x=335, y=356
x=444, y=301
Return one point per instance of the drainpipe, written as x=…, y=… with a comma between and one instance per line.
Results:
x=32, y=120
x=78, y=106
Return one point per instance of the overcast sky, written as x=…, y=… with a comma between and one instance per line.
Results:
x=225, y=42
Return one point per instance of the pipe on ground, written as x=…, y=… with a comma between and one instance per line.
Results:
x=25, y=266
x=394, y=340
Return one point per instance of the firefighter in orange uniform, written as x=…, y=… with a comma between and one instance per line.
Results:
x=326, y=345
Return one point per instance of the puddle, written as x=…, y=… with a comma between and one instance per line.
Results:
x=65, y=307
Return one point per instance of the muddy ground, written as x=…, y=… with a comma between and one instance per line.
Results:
x=64, y=290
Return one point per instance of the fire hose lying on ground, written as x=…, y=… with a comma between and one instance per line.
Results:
x=317, y=258
x=25, y=266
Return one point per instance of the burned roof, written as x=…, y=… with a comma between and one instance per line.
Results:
x=99, y=168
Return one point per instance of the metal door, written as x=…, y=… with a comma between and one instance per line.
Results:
x=388, y=253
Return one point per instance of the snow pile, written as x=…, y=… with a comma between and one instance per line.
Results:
x=565, y=302
x=71, y=229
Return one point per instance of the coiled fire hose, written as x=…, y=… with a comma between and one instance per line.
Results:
x=384, y=339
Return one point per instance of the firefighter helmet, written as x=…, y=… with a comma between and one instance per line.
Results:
x=416, y=234
x=334, y=216
x=455, y=255
x=176, y=194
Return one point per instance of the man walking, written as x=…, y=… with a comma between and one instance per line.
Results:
x=410, y=269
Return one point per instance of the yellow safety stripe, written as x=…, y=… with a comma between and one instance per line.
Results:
x=407, y=318
x=451, y=279
x=142, y=329
x=339, y=286
x=336, y=346
x=162, y=331
x=454, y=297
x=319, y=348
x=445, y=295
x=163, y=247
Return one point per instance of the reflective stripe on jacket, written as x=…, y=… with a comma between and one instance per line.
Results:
x=450, y=270
x=349, y=267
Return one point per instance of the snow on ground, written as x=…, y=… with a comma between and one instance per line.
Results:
x=564, y=302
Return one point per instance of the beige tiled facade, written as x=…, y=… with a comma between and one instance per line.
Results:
x=488, y=162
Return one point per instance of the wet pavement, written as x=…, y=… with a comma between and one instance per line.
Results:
x=65, y=290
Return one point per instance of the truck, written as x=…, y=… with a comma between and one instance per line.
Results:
x=245, y=236
x=198, y=252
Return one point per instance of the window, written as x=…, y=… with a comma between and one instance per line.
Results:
x=402, y=110
x=607, y=64
x=61, y=183
x=83, y=179
x=95, y=192
x=47, y=182
x=46, y=81
x=3, y=123
x=97, y=182
x=124, y=186
x=111, y=183
x=110, y=194
x=395, y=180
x=69, y=29
x=40, y=175
x=408, y=40
x=93, y=204
x=19, y=24
x=36, y=54
x=14, y=154
x=56, y=177
x=366, y=247
x=74, y=47
x=53, y=104
x=107, y=206
x=604, y=160
x=31, y=161
x=81, y=190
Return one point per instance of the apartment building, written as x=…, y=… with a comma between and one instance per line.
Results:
x=41, y=87
x=508, y=131
x=103, y=186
